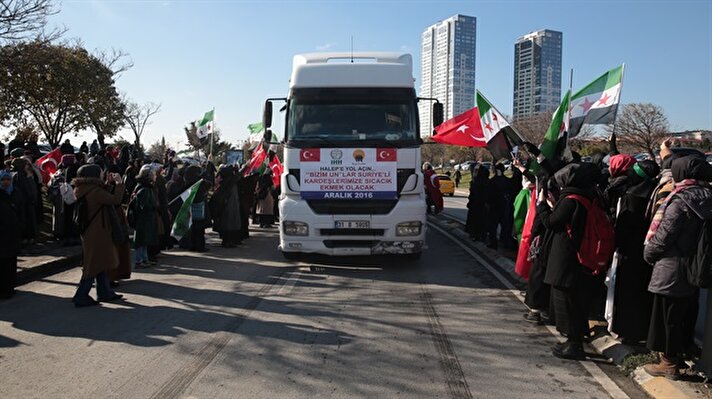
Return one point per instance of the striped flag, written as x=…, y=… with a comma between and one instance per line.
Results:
x=184, y=217
x=557, y=129
x=500, y=135
x=205, y=125
x=596, y=103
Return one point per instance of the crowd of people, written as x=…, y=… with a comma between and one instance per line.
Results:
x=114, y=200
x=656, y=214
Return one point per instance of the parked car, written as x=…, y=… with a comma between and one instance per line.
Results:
x=467, y=165
x=447, y=186
x=487, y=165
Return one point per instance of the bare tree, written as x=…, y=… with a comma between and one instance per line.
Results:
x=137, y=117
x=24, y=19
x=533, y=128
x=642, y=126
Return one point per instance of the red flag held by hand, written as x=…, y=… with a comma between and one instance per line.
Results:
x=464, y=130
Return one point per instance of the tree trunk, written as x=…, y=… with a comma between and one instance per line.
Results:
x=100, y=139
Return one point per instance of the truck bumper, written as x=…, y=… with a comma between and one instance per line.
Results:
x=380, y=239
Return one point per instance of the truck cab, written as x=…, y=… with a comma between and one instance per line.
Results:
x=352, y=181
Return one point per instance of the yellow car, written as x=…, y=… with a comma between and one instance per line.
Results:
x=447, y=186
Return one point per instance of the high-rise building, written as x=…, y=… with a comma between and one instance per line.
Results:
x=537, y=73
x=448, y=67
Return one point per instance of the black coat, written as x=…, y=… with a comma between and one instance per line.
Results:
x=10, y=214
x=563, y=268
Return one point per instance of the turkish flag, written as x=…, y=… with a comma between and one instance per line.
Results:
x=464, y=130
x=49, y=164
x=310, y=155
x=259, y=156
x=277, y=170
x=386, y=155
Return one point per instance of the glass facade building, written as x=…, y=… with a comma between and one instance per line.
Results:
x=537, y=73
x=448, y=67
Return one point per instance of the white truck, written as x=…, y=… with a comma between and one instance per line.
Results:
x=352, y=181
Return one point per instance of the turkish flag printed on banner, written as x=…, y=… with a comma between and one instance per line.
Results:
x=310, y=155
x=464, y=130
x=386, y=155
x=49, y=164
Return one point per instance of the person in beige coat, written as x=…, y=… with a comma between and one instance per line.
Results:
x=100, y=252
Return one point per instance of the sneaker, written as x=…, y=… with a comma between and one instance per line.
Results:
x=112, y=298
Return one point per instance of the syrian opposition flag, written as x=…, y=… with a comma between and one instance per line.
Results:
x=597, y=103
x=464, y=130
x=557, y=129
x=205, y=125
x=257, y=161
x=184, y=217
x=500, y=135
x=49, y=164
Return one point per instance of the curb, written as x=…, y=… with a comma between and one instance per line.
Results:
x=48, y=268
x=602, y=343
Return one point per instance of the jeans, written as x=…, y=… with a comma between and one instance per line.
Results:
x=140, y=254
x=103, y=289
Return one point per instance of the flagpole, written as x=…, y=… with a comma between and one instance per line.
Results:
x=212, y=134
x=620, y=93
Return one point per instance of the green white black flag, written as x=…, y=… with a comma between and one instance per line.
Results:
x=184, y=217
x=205, y=125
x=500, y=135
x=596, y=103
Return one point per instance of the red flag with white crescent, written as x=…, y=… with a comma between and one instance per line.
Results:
x=49, y=164
x=276, y=166
x=464, y=130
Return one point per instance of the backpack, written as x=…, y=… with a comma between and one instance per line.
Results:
x=699, y=272
x=598, y=241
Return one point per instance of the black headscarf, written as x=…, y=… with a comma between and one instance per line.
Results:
x=642, y=178
x=691, y=167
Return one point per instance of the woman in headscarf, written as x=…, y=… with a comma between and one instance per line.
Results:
x=225, y=208
x=571, y=282
x=633, y=302
x=265, y=201
x=145, y=216
x=9, y=234
x=476, y=224
x=98, y=246
x=670, y=240
x=618, y=167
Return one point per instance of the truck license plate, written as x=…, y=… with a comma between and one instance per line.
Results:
x=353, y=224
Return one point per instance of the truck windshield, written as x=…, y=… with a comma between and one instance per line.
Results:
x=342, y=117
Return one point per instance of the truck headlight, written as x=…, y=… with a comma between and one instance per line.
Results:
x=409, y=228
x=290, y=228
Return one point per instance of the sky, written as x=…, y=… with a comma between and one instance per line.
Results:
x=192, y=56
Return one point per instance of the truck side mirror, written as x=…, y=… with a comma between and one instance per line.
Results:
x=267, y=136
x=267, y=115
x=438, y=114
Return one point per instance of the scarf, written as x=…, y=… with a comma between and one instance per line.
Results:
x=658, y=218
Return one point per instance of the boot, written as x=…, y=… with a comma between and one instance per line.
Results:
x=572, y=350
x=666, y=368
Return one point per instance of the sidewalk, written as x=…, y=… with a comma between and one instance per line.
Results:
x=623, y=356
x=44, y=259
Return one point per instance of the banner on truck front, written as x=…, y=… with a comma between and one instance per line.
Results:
x=348, y=173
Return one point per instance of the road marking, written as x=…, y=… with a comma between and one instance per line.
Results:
x=454, y=376
x=184, y=376
x=606, y=382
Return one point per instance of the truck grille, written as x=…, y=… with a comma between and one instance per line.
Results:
x=352, y=232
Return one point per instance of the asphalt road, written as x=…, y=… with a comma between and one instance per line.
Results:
x=245, y=323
